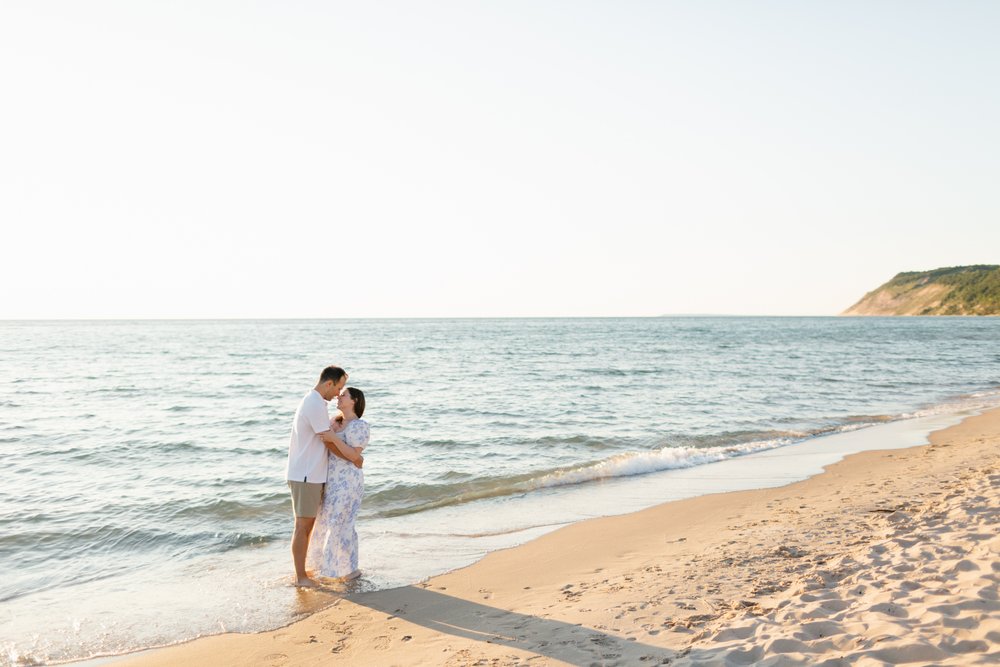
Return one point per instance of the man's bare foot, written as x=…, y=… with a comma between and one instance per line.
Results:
x=306, y=582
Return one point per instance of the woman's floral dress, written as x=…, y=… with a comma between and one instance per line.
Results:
x=333, y=549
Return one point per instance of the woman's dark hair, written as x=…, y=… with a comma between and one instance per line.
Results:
x=359, y=400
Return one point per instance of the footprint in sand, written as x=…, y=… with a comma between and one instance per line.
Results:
x=339, y=647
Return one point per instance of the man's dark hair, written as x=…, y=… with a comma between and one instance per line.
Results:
x=334, y=373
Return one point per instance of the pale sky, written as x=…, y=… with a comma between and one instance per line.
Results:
x=506, y=158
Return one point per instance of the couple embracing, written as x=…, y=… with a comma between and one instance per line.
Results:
x=325, y=479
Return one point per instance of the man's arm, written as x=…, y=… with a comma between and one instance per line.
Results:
x=339, y=448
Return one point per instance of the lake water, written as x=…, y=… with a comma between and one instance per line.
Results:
x=143, y=499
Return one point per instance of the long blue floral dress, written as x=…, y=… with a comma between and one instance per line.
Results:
x=333, y=549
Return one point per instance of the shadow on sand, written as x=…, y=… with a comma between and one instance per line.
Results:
x=567, y=642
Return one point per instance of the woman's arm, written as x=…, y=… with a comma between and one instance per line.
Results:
x=341, y=449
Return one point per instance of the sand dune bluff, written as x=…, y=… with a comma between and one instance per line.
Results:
x=956, y=290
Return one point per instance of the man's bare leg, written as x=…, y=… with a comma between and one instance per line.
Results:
x=300, y=545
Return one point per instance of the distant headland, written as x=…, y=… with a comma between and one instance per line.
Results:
x=954, y=290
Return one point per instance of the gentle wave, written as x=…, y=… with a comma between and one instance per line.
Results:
x=407, y=499
x=978, y=400
x=110, y=541
x=869, y=419
x=48, y=582
x=586, y=441
x=219, y=508
x=478, y=534
x=667, y=458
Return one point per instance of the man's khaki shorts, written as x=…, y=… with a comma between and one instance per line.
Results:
x=306, y=498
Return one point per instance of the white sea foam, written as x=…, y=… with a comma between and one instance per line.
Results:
x=976, y=401
x=666, y=458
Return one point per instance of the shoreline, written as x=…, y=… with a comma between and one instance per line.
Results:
x=694, y=579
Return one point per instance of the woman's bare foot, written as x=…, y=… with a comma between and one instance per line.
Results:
x=306, y=582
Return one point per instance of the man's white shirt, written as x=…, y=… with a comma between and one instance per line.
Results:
x=307, y=456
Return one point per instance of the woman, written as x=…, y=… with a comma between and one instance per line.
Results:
x=333, y=550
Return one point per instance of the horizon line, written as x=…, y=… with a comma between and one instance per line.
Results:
x=393, y=317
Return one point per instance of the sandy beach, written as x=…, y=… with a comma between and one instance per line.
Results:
x=888, y=557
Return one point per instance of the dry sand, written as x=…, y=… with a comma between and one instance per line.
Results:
x=886, y=558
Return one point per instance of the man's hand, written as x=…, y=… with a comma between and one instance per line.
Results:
x=360, y=462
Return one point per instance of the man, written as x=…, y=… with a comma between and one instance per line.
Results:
x=307, y=462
